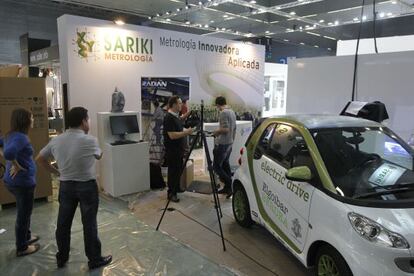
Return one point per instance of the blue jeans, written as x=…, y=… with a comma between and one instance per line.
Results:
x=24, y=203
x=221, y=164
x=72, y=193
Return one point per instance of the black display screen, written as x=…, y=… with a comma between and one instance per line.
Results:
x=121, y=125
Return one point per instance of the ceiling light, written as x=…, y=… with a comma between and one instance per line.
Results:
x=237, y=32
x=167, y=13
x=168, y=19
x=393, y=2
x=215, y=4
x=381, y=14
x=316, y=46
x=206, y=26
x=119, y=22
x=389, y=14
x=330, y=23
x=287, y=40
x=278, y=8
x=314, y=26
x=187, y=22
x=178, y=9
x=329, y=49
x=158, y=14
x=328, y=37
x=149, y=17
x=302, y=43
x=252, y=2
x=307, y=26
x=356, y=19
x=321, y=21
x=211, y=21
x=292, y=13
x=187, y=7
x=364, y=18
x=225, y=16
x=300, y=28
x=223, y=29
x=217, y=29
x=267, y=32
x=200, y=3
x=336, y=22
x=40, y=73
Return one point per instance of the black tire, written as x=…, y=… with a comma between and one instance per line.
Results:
x=241, y=207
x=326, y=257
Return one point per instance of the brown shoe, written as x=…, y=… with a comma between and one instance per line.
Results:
x=30, y=250
x=33, y=239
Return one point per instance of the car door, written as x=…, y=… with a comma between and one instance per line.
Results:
x=284, y=202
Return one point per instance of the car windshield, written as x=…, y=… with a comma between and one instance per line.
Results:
x=367, y=163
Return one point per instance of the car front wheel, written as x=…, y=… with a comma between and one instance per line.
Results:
x=241, y=207
x=330, y=263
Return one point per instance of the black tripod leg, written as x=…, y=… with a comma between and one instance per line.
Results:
x=182, y=170
x=214, y=188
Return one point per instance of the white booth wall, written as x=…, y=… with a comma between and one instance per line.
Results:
x=324, y=85
x=93, y=75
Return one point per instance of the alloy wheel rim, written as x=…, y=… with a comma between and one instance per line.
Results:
x=239, y=205
x=327, y=266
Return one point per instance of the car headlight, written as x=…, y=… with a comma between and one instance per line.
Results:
x=376, y=233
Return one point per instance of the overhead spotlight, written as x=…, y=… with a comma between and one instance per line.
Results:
x=225, y=16
x=178, y=9
x=336, y=22
x=389, y=14
x=158, y=14
x=394, y=2
x=211, y=21
x=167, y=13
x=292, y=13
x=252, y=2
x=209, y=0
x=40, y=73
x=187, y=7
x=217, y=29
x=307, y=26
x=267, y=32
x=382, y=15
x=200, y=3
x=302, y=43
x=300, y=28
x=206, y=26
x=187, y=22
x=119, y=22
x=278, y=8
x=215, y=4
x=314, y=26
x=316, y=46
x=330, y=23
x=356, y=19
x=321, y=21
x=329, y=49
x=237, y=32
x=223, y=29
x=168, y=19
x=149, y=17
x=364, y=18
x=287, y=40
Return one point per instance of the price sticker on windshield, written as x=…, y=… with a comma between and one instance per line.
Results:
x=387, y=174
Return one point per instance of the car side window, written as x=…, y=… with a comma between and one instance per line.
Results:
x=289, y=149
x=264, y=142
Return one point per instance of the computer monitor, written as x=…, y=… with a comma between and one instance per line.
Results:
x=124, y=124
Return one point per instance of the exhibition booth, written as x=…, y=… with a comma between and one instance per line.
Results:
x=98, y=58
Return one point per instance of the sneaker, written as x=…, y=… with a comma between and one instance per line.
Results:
x=174, y=198
x=30, y=250
x=102, y=262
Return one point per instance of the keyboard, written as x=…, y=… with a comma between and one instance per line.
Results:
x=123, y=142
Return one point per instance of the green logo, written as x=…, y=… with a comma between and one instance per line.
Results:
x=85, y=44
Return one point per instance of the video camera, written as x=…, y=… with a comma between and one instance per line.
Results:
x=193, y=120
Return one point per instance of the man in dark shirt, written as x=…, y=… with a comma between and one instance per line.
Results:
x=174, y=142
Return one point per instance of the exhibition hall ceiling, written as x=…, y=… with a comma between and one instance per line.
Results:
x=310, y=23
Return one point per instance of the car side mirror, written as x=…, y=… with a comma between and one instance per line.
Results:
x=300, y=174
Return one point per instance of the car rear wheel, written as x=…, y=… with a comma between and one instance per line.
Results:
x=241, y=207
x=330, y=263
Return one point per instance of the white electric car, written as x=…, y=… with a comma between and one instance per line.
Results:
x=337, y=191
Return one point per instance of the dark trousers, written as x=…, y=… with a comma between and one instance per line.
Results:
x=221, y=163
x=24, y=203
x=86, y=194
x=175, y=166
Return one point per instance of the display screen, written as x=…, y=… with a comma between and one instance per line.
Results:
x=121, y=125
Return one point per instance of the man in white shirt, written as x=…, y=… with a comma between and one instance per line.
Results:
x=76, y=153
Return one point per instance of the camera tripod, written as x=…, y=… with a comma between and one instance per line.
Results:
x=201, y=135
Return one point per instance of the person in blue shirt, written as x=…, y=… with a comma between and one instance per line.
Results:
x=20, y=177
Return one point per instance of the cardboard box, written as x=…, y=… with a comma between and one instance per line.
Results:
x=188, y=175
x=28, y=93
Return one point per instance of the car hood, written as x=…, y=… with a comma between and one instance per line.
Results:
x=400, y=221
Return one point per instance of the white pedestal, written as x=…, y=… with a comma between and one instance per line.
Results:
x=244, y=128
x=124, y=169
